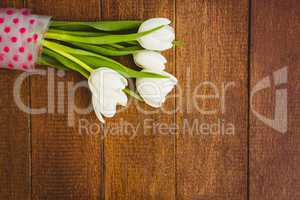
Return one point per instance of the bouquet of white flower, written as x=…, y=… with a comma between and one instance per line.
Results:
x=87, y=47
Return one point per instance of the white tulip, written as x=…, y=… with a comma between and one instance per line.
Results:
x=151, y=60
x=159, y=40
x=107, y=87
x=155, y=90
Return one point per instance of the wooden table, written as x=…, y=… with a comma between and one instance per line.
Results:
x=225, y=41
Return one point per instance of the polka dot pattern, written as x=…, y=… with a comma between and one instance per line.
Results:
x=21, y=35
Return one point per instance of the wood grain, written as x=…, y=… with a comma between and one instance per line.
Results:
x=14, y=134
x=139, y=162
x=15, y=140
x=66, y=163
x=211, y=163
x=41, y=157
x=274, y=156
x=12, y=3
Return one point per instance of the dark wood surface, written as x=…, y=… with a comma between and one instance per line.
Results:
x=212, y=166
x=274, y=157
x=65, y=163
x=225, y=41
x=140, y=164
x=15, y=147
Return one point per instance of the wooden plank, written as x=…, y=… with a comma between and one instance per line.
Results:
x=211, y=160
x=12, y=3
x=14, y=134
x=65, y=163
x=15, y=140
x=139, y=160
x=274, y=154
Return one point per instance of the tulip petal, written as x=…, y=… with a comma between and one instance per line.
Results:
x=155, y=103
x=166, y=34
x=153, y=23
x=107, y=87
x=97, y=109
x=153, y=90
x=109, y=109
x=122, y=98
x=159, y=40
x=107, y=78
x=152, y=43
x=150, y=60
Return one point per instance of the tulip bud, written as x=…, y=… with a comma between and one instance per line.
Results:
x=107, y=87
x=159, y=40
x=151, y=60
x=155, y=90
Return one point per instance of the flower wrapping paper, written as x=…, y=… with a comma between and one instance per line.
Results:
x=21, y=36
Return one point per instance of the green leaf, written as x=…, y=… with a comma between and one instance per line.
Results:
x=108, y=51
x=118, y=46
x=134, y=43
x=106, y=39
x=77, y=33
x=178, y=43
x=102, y=25
x=96, y=60
x=58, y=49
x=50, y=62
x=66, y=62
x=133, y=94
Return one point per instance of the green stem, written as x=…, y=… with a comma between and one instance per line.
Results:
x=107, y=39
x=178, y=43
x=53, y=46
x=91, y=60
x=133, y=94
x=60, y=61
x=100, y=25
x=77, y=33
x=107, y=51
x=116, y=46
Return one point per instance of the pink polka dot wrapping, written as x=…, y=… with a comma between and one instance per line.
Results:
x=21, y=35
